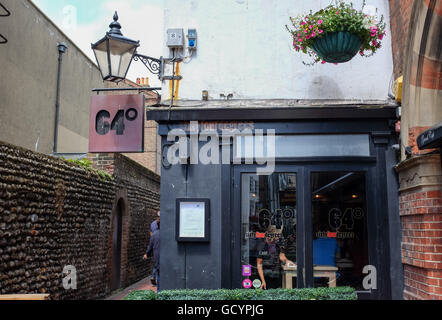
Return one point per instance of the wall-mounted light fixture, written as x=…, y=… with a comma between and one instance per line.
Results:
x=114, y=54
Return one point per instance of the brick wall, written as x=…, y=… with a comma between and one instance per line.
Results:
x=142, y=187
x=143, y=197
x=413, y=134
x=421, y=215
x=103, y=161
x=54, y=214
x=400, y=15
x=422, y=244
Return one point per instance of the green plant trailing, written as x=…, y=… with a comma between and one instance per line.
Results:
x=340, y=293
x=337, y=33
x=87, y=164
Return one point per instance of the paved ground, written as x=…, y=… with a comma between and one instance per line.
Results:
x=144, y=284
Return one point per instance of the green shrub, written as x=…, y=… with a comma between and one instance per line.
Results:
x=141, y=295
x=341, y=293
x=87, y=165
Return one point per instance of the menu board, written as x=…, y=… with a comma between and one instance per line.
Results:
x=192, y=220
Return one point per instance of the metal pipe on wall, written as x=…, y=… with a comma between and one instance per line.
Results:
x=61, y=49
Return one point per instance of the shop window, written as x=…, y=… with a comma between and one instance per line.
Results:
x=268, y=243
x=340, y=238
x=296, y=146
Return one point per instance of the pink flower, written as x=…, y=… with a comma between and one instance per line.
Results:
x=320, y=31
x=381, y=36
x=302, y=48
x=302, y=23
x=323, y=62
x=300, y=40
x=311, y=27
x=375, y=43
x=320, y=22
x=313, y=34
x=307, y=37
x=361, y=53
x=337, y=12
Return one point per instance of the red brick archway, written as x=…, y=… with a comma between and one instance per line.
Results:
x=420, y=175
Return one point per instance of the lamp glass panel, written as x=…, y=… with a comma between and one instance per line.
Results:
x=121, y=54
x=101, y=55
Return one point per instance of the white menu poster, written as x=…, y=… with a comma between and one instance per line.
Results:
x=192, y=220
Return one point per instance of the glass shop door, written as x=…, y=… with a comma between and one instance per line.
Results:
x=338, y=241
x=303, y=226
x=270, y=230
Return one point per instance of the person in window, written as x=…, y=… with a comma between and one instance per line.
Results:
x=270, y=257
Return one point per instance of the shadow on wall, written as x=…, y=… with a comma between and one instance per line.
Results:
x=323, y=87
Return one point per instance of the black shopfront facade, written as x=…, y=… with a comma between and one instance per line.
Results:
x=327, y=215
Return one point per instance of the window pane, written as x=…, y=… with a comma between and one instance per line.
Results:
x=340, y=238
x=102, y=59
x=121, y=56
x=322, y=146
x=268, y=243
x=296, y=146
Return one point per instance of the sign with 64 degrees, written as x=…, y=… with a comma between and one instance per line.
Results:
x=117, y=124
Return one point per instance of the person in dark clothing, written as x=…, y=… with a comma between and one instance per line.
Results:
x=154, y=248
x=153, y=228
x=270, y=257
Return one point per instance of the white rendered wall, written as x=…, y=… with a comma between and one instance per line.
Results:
x=245, y=49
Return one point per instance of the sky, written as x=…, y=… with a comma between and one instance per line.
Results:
x=87, y=21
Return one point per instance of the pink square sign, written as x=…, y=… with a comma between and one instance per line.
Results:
x=116, y=123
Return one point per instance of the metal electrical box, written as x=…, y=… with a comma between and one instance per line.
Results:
x=175, y=38
x=192, y=37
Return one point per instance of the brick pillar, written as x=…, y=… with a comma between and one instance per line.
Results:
x=421, y=214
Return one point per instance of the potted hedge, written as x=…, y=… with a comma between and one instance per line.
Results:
x=337, y=33
x=338, y=293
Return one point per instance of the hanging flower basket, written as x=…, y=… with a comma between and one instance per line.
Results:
x=337, y=47
x=337, y=33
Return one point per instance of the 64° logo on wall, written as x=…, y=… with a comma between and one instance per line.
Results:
x=117, y=124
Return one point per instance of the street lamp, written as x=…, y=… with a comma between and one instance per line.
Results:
x=114, y=54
